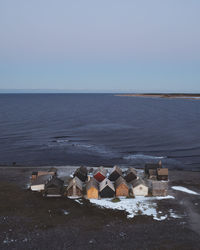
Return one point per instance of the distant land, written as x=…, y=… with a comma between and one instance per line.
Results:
x=164, y=95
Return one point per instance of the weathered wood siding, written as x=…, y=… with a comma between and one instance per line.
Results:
x=92, y=193
x=122, y=190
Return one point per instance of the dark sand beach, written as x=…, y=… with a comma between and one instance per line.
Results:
x=31, y=221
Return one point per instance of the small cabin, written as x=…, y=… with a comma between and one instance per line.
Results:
x=162, y=174
x=115, y=173
x=100, y=174
x=34, y=175
x=152, y=174
x=152, y=166
x=81, y=173
x=39, y=183
x=54, y=187
x=92, y=189
x=159, y=188
x=139, y=188
x=131, y=174
x=75, y=187
x=121, y=187
x=106, y=189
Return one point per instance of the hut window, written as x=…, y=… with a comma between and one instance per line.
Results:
x=140, y=188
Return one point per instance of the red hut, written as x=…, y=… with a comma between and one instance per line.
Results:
x=100, y=174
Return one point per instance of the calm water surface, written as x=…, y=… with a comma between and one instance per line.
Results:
x=96, y=129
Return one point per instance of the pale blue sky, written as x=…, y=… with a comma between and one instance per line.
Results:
x=107, y=45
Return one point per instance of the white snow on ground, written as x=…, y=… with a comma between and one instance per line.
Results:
x=186, y=190
x=137, y=206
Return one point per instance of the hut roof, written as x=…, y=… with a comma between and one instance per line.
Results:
x=34, y=172
x=43, y=179
x=55, y=181
x=137, y=182
x=132, y=170
x=162, y=171
x=53, y=170
x=104, y=183
x=75, y=181
x=101, y=170
x=117, y=169
x=120, y=181
x=92, y=183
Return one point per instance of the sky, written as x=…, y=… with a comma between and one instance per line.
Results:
x=100, y=46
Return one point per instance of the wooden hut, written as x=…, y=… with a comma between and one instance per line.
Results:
x=121, y=187
x=39, y=183
x=131, y=175
x=92, y=189
x=75, y=187
x=115, y=173
x=159, y=188
x=139, y=188
x=152, y=166
x=81, y=173
x=106, y=189
x=54, y=187
x=100, y=174
x=162, y=174
x=152, y=174
x=34, y=175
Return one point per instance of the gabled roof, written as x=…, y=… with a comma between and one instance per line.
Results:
x=92, y=183
x=75, y=181
x=42, y=179
x=138, y=182
x=101, y=170
x=120, y=181
x=131, y=170
x=106, y=182
x=53, y=170
x=162, y=171
x=117, y=169
x=54, y=181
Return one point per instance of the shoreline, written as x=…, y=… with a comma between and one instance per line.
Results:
x=162, y=95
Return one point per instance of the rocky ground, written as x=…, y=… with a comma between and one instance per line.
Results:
x=30, y=221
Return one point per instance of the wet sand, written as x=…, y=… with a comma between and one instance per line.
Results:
x=31, y=221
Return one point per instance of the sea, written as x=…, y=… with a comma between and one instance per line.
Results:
x=99, y=129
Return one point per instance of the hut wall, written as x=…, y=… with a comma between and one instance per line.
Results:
x=107, y=192
x=122, y=190
x=92, y=193
x=140, y=190
x=74, y=191
x=159, y=192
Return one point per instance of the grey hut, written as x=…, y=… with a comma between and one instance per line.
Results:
x=115, y=173
x=131, y=175
x=152, y=166
x=54, y=187
x=159, y=188
x=81, y=173
x=106, y=189
x=152, y=174
x=92, y=189
x=75, y=187
x=121, y=187
x=162, y=174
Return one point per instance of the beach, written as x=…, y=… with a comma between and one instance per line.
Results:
x=31, y=221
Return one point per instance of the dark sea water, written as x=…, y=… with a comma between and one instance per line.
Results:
x=99, y=129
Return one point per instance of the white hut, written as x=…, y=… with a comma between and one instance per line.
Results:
x=139, y=188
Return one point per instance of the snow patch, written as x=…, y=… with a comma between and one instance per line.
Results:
x=65, y=212
x=186, y=190
x=143, y=157
x=137, y=206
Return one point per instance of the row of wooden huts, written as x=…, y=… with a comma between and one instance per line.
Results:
x=99, y=183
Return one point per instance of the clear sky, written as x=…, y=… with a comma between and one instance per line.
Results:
x=103, y=46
